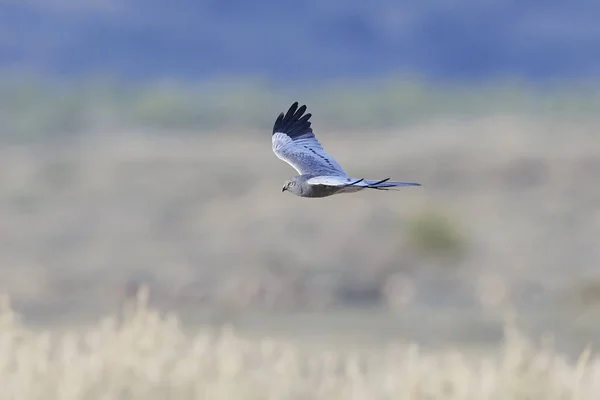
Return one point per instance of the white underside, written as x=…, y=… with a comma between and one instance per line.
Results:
x=351, y=184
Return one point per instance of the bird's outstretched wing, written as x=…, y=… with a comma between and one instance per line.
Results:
x=295, y=143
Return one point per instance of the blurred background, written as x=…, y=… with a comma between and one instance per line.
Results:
x=135, y=150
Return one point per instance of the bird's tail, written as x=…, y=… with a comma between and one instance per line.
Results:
x=386, y=184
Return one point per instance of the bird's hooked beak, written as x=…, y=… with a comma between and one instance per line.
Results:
x=283, y=189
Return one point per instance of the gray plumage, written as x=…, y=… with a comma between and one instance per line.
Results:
x=320, y=175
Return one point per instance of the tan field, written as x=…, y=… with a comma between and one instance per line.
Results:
x=325, y=296
x=146, y=355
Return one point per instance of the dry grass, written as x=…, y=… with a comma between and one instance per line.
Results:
x=142, y=354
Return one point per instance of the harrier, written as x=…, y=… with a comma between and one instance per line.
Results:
x=320, y=175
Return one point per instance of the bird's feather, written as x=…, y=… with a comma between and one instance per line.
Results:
x=363, y=183
x=294, y=142
x=332, y=181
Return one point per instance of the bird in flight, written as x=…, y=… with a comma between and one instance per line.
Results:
x=320, y=175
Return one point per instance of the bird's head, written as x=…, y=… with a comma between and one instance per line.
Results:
x=290, y=185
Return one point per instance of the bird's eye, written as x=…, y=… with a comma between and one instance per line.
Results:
x=292, y=183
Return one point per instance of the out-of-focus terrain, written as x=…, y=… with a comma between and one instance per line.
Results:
x=136, y=170
x=308, y=41
x=143, y=354
x=482, y=283
x=507, y=221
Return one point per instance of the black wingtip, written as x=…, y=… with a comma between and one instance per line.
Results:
x=294, y=122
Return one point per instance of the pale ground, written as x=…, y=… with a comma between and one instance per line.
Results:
x=202, y=220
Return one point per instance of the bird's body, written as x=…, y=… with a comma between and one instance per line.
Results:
x=320, y=175
x=305, y=189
